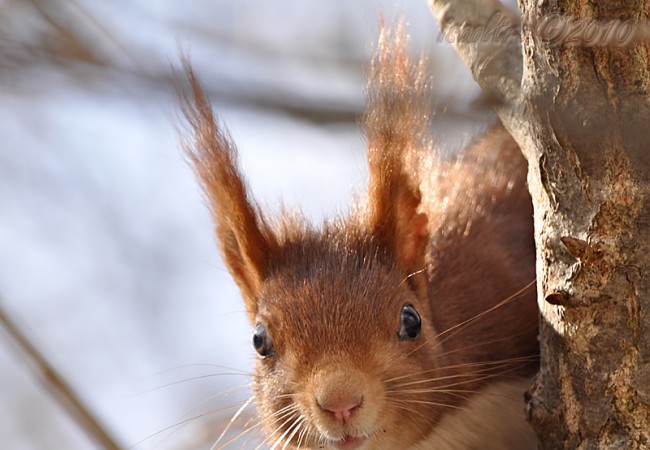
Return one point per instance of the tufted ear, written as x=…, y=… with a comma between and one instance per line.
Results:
x=244, y=236
x=397, y=127
x=394, y=215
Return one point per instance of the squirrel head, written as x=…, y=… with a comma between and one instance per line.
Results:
x=340, y=313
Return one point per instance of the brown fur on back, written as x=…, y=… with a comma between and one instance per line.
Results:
x=484, y=232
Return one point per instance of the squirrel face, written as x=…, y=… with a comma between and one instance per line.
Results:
x=343, y=344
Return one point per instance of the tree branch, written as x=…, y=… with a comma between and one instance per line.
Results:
x=486, y=36
x=56, y=384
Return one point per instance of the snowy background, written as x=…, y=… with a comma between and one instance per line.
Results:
x=107, y=258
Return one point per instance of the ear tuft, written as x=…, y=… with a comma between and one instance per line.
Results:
x=396, y=126
x=244, y=236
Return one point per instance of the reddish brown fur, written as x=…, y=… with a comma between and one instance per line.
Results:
x=243, y=234
x=454, y=246
x=396, y=123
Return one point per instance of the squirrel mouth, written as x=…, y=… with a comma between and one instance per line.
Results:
x=349, y=443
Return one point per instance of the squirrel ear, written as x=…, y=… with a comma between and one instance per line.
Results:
x=411, y=231
x=244, y=237
x=396, y=126
x=394, y=215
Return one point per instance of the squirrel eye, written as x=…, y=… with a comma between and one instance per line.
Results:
x=409, y=324
x=262, y=341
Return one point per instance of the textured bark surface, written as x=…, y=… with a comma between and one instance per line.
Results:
x=589, y=111
x=581, y=114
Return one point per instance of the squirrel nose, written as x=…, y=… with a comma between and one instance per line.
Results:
x=341, y=409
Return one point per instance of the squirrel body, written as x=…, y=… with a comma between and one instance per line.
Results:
x=409, y=323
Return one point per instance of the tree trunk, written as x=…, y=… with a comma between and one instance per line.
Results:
x=573, y=88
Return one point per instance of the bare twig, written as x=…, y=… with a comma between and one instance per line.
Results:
x=56, y=384
x=486, y=37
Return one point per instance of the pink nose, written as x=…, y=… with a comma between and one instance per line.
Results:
x=343, y=409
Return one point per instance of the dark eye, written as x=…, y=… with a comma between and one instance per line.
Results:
x=262, y=341
x=409, y=323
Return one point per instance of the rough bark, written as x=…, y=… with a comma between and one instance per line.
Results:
x=579, y=107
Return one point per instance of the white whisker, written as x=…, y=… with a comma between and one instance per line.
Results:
x=232, y=420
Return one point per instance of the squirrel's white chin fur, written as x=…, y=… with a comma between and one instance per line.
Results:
x=480, y=424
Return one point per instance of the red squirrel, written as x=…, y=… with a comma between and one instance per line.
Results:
x=410, y=322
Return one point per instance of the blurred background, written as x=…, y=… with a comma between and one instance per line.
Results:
x=107, y=260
